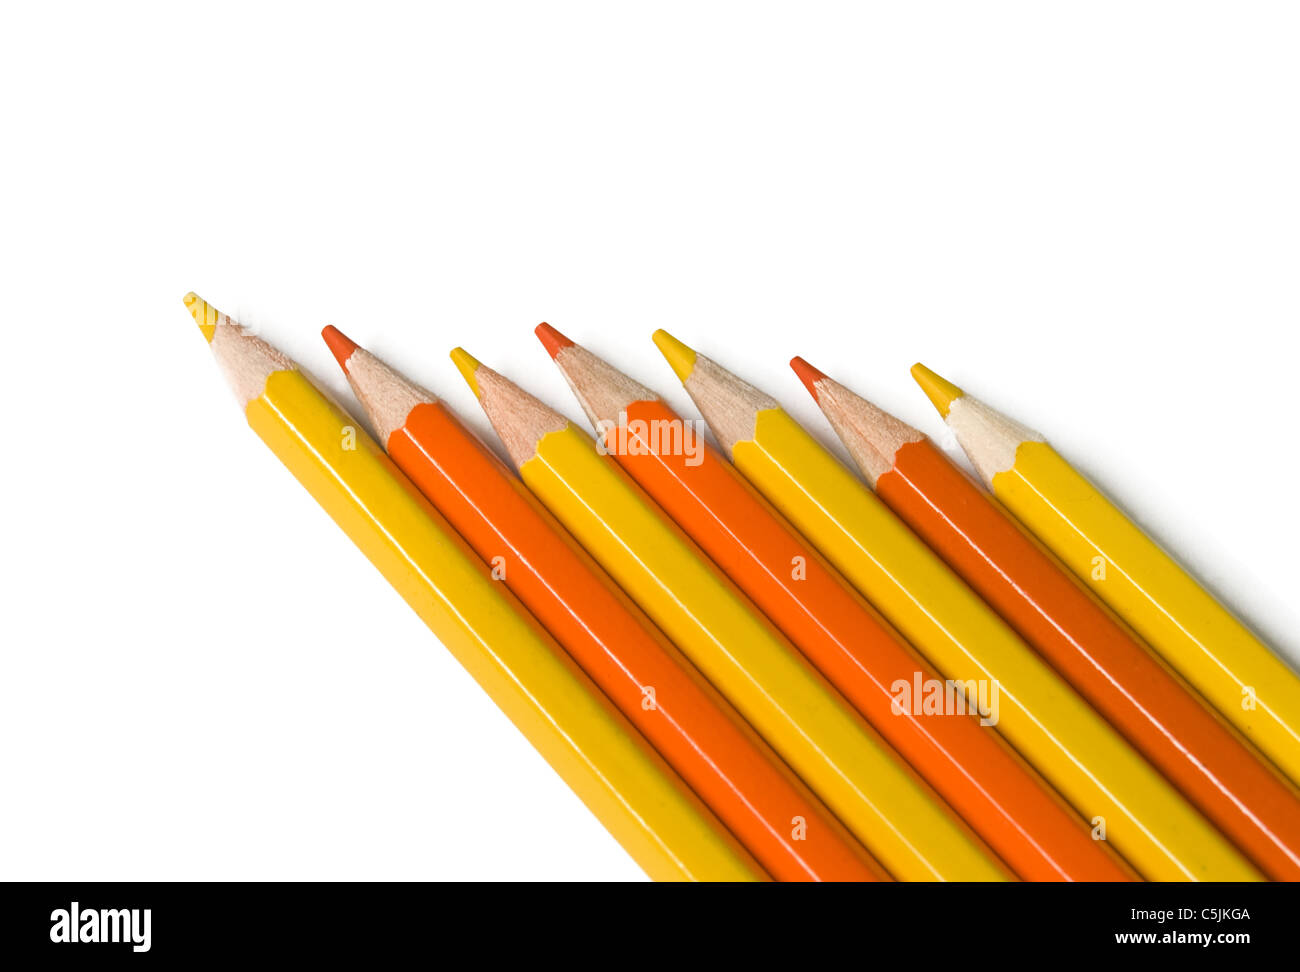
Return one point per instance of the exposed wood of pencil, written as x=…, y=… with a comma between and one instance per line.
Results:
x=1198, y=636
x=897, y=817
x=1155, y=710
x=700, y=735
x=1026, y=823
x=1146, y=820
x=610, y=767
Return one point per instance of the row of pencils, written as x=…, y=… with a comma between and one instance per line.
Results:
x=754, y=664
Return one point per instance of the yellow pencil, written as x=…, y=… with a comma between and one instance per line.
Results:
x=899, y=819
x=642, y=803
x=1107, y=782
x=1194, y=633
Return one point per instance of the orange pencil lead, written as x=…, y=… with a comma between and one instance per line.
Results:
x=340, y=345
x=807, y=374
x=552, y=340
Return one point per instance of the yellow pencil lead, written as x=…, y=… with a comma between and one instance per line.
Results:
x=680, y=358
x=941, y=392
x=205, y=315
x=468, y=366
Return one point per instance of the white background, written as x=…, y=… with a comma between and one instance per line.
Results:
x=1086, y=214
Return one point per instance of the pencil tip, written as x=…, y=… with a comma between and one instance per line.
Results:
x=680, y=358
x=552, y=340
x=468, y=366
x=340, y=345
x=807, y=374
x=941, y=392
x=205, y=315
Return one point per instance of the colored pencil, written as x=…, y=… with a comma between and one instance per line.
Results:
x=980, y=776
x=1155, y=710
x=629, y=788
x=783, y=825
x=1194, y=633
x=807, y=722
x=1145, y=819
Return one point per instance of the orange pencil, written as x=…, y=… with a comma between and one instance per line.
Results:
x=983, y=779
x=755, y=795
x=1159, y=713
